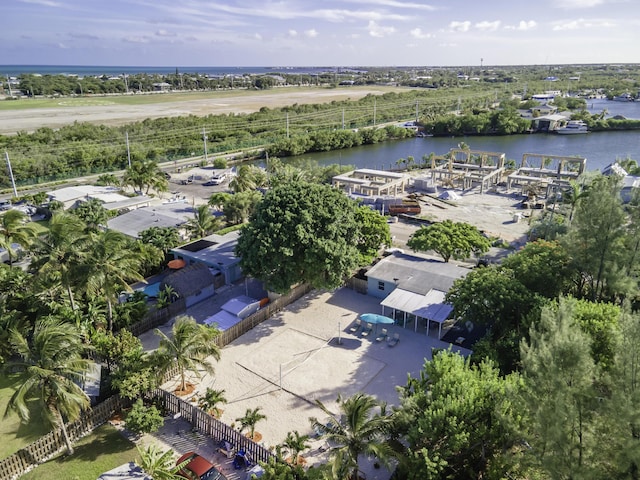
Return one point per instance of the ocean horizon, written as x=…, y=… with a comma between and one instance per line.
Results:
x=111, y=70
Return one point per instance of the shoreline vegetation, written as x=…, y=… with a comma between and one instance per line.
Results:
x=444, y=106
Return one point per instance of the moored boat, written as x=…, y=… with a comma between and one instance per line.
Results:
x=573, y=127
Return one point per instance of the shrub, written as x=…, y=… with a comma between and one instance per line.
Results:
x=144, y=419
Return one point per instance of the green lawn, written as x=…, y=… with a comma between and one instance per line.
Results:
x=15, y=435
x=105, y=448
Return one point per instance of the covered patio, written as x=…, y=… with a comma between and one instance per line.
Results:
x=407, y=307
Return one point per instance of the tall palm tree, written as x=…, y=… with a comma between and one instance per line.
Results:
x=576, y=192
x=187, y=349
x=51, y=367
x=14, y=229
x=144, y=175
x=249, y=420
x=202, y=223
x=358, y=430
x=244, y=179
x=110, y=266
x=61, y=250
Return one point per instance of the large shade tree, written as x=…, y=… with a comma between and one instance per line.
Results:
x=143, y=175
x=51, y=366
x=449, y=239
x=301, y=232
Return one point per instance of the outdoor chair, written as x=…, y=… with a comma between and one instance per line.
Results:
x=366, y=330
x=382, y=335
x=356, y=326
x=394, y=340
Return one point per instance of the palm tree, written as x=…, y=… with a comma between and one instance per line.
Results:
x=576, y=192
x=14, y=230
x=188, y=348
x=244, y=179
x=358, y=430
x=157, y=464
x=296, y=443
x=61, y=250
x=249, y=420
x=211, y=399
x=110, y=266
x=51, y=367
x=203, y=223
x=145, y=174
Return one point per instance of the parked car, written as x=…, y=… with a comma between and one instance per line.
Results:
x=198, y=468
x=5, y=205
x=218, y=179
x=187, y=181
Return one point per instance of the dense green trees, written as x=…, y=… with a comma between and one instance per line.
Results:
x=15, y=230
x=459, y=419
x=449, y=239
x=303, y=232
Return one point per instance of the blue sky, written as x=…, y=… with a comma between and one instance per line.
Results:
x=318, y=32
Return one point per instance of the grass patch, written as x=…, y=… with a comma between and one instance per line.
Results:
x=16, y=435
x=100, y=451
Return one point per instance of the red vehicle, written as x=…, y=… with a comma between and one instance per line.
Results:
x=198, y=468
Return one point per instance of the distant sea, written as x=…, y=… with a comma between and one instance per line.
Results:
x=97, y=70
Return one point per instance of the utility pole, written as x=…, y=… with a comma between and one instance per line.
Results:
x=9, y=85
x=343, y=118
x=126, y=85
x=126, y=136
x=204, y=138
x=416, y=111
x=13, y=182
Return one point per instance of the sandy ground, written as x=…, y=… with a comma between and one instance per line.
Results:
x=293, y=359
x=100, y=110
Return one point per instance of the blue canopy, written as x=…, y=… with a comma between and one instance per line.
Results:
x=375, y=318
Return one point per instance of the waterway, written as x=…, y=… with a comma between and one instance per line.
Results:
x=599, y=148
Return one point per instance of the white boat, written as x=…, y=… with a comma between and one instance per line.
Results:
x=625, y=97
x=573, y=127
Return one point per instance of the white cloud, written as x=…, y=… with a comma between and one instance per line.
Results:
x=292, y=33
x=397, y=4
x=379, y=31
x=311, y=33
x=488, y=26
x=257, y=36
x=581, y=23
x=44, y=3
x=460, y=26
x=575, y=4
x=418, y=33
x=523, y=25
x=164, y=33
x=136, y=39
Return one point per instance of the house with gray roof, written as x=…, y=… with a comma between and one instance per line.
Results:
x=194, y=283
x=413, y=287
x=215, y=252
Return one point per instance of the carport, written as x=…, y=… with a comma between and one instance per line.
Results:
x=430, y=307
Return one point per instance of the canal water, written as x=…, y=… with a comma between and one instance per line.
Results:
x=599, y=148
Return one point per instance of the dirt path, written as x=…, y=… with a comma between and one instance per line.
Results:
x=107, y=113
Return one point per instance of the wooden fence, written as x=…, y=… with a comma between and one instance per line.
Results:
x=52, y=443
x=210, y=426
x=357, y=284
x=243, y=326
x=158, y=317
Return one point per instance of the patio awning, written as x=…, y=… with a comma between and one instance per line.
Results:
x=430, y=306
